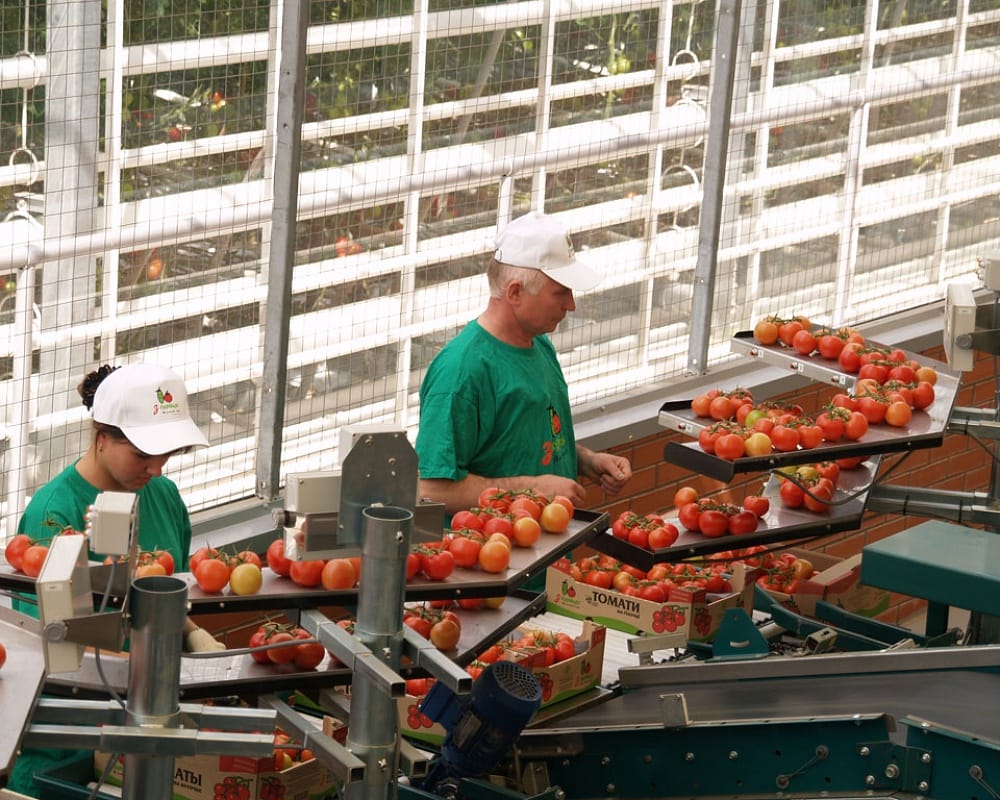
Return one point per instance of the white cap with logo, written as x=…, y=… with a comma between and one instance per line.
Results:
x=538, y=241
x=149, y=404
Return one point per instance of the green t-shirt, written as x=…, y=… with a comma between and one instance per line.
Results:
x=164, y=522
x=492, y=409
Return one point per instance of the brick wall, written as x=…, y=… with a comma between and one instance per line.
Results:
x=959, y=464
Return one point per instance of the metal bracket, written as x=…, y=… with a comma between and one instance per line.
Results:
x=895, y=767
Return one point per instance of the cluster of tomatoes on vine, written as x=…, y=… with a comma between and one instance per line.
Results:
x=332, y=574
x=658, y=584
x=216, y=569
x=809, y=486
x=285, y=643
x=26, y=554
x=436, y=622
x=482, y=537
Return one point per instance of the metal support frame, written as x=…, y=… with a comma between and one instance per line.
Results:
x=151, y=727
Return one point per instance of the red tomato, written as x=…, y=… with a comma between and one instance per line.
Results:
x=436, y=564
x=166, y=559
x=849, y=359
x=275, y=557
x=810, y=436
x=554, y=518
x=818, y=497
x=688, y=515
x=898, y=414
x=465, y=550
x=701, y=405
x=714, y=523
x=309, y=654
x=337, y=573
x=756, y=505
x=14, y=551
x=804, y=342
x=248, y=557
x=662, y=536
x=856, y=426
x=445, y=634
x=495, y=498
x=601, y=578
x=466, y=519
x=785, y=438
x=525, y=503
x=792, y=496
x=721, y=407
x=639, y=536
x=494, y=557
x=742, y=522
x=33, y=559
x=686, y=494
x=730, y=446
x=829, y=346
x=419, y=623
x=923, y=395
x=498, y=524
x=829, y=470
x=259, y=639
x=281, y=655
x=831, y=422
x=766, y=331
x=200, y=555
x=873, y=407
x=150, y=568
x=212, y=575
x=308, y=574
x=787, y=331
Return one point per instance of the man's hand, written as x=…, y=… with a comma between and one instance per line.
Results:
x=611, y=472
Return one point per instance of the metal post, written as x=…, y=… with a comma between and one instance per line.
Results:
x=372, y=735
x=281, y=256
x=158, y=606
x=723, y=72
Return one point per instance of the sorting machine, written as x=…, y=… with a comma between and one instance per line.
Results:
x=895, y=713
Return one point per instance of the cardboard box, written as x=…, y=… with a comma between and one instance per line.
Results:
x=414, y=724
x=572, y=676
x=195, y=777
x=838, y=582
x=694, y=614
x=558, y=681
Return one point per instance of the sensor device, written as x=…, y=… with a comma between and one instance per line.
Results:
x=959, y=325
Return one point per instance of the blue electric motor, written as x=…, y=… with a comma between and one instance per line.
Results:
x=482, y=725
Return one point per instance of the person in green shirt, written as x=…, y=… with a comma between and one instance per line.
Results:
x=141, y=418
x=494, y=406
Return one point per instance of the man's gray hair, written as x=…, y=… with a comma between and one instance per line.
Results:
x=501, y=276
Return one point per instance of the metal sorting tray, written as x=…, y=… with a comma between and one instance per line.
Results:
x=235, y=673
x=282, y=593
x=780, y=524
x=926, y=429
x=814, y=366
x=21, y=679
x=525, y=563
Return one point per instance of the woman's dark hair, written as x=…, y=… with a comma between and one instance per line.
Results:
x=88, y=388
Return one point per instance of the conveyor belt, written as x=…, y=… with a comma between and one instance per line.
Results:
x=955, y=687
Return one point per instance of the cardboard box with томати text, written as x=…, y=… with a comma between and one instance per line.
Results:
x=198, y=778
x=689, y=612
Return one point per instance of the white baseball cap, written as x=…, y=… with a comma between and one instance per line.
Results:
x=538, y=241
x=149, y=404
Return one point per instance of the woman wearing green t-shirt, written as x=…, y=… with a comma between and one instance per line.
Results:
x=141, y=418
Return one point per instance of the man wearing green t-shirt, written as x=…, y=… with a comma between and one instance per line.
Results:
x=494, y=407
